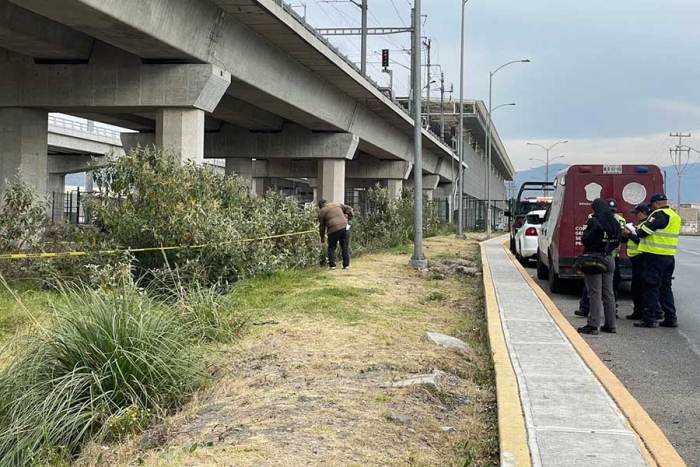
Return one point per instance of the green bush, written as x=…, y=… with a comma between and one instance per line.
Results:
x=105, y=353
x=149, y=199
x=388, y=222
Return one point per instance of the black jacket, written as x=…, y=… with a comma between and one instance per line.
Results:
x=595, y=239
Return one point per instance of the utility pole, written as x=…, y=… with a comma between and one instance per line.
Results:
x=677, y=161
x=417, y=261
x=363, y=46
x=427, y=112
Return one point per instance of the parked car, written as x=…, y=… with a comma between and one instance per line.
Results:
x=527, y=237
x=532, y=196
x=574, y=189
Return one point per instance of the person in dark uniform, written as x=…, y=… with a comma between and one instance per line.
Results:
x=658, y=242
x=601, y=235
x=584, y=303
x=641, y=213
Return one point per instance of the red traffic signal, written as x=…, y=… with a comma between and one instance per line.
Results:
x=385, y=58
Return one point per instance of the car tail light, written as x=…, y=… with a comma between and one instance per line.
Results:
x=517, y=222
x=531, y=232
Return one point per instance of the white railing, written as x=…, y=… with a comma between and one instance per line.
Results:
x=88, y=127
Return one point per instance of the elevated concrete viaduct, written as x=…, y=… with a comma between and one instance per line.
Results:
x=182, y=69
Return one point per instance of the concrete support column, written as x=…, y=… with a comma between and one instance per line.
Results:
x=24, y=145
x=57, y=184
x=395, y=187
x=242, y=168
x=331, y=180
x=260, y=185
x=89, y=182
x=181, y=131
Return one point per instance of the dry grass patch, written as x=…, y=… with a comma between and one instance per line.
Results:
x=309, y=387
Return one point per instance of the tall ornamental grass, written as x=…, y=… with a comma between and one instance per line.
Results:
x=105, y=357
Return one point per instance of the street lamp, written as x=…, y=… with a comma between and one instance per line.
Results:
x=547, y=149
x=488, y=147
x=460, y=143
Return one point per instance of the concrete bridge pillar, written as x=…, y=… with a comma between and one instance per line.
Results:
x=331, y=180
x=395, y=187
x=242, y=168
x=24, y=145
x=181, y=131
x=57, y=183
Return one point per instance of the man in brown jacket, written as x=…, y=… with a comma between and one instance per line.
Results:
x=331, y=219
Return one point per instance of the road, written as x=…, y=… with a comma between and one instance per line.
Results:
x=661, y=366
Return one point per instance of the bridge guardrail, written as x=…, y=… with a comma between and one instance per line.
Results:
x=89, y=127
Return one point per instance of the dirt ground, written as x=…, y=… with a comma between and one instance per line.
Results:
x=309, y=384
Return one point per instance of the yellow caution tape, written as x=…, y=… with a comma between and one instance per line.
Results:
x=138, y=250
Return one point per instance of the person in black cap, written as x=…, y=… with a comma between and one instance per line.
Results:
x=658, y=242
x=631, y=239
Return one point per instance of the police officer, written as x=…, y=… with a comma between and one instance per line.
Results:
x=658, y=242
x=584, y=304
x=641, y=213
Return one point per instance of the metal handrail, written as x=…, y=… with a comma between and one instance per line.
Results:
x=89, y=127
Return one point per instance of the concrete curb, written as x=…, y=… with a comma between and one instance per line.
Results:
x=512, y=435
x=657, y=449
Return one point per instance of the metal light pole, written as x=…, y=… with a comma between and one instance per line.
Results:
x=417, y=260
x=460, y=143
x=363, y=44
x=547, y=149
x=488, y=147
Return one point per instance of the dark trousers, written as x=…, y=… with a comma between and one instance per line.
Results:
x=638, y=285
x=658, y=294
x=333, y=239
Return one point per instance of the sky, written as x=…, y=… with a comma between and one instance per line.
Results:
x=613, y=77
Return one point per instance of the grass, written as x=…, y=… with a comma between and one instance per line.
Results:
x=307, y=386
x=106, y=362
x=303, y=387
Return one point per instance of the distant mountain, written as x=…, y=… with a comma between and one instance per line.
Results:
x=690, y=180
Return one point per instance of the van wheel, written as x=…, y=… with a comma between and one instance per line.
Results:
x=554, y=281
x=542, y=272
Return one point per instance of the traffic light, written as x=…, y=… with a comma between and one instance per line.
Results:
x=385, y=58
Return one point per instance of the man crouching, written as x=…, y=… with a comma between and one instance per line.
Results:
x=331, y=219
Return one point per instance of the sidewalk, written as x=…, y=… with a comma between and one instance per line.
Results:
x=570, y=419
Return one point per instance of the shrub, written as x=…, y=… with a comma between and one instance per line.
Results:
x=388, y=222
x=105, y=352
x=149, y=199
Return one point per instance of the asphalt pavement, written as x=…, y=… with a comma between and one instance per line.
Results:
x=660, y=366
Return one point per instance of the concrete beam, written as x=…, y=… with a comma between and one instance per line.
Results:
x=73, y=164
x=364, y=168
x=23, y=146
x=113, y=81
x=263, y=73
x=245, y=115
x=30, y=34
x=294, y=142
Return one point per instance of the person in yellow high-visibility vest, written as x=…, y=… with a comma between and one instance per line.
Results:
x=641, y=213
x=658, y=241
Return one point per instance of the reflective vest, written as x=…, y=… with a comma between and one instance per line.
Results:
x=633, y=248
x=662, y=241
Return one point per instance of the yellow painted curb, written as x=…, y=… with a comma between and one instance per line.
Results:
x=512, y=435
x=657, y=449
